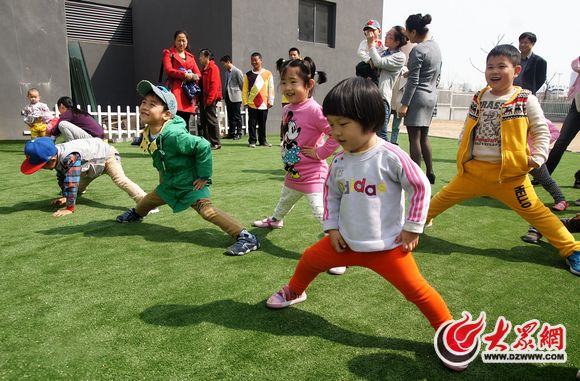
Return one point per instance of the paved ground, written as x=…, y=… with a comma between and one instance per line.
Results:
x=452, y=129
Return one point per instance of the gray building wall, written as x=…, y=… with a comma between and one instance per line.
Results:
x=111, y=69
x=207, y=23
x=274, y=29
x=34, y=54
x=110, y=66
x=34, y=46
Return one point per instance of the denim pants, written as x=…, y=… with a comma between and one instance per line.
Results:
x=383, y=132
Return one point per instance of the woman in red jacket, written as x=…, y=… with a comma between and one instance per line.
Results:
x=179, y=65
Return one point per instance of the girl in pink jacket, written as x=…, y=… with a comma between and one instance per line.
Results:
x=304, y=148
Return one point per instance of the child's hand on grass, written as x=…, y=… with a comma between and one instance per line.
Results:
x=336, y=240
x=62, y=213
x=199, y=183
x=409, y=240
x=58, y=201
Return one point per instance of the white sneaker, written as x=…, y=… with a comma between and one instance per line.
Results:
x=337, y=270
x=153, y=211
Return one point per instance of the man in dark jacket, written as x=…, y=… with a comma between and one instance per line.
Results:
x=533, y=74
x=233, y=97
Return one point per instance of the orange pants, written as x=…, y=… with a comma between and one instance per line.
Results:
x=394, y=265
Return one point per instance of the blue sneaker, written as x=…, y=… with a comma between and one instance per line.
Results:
x=129, y=216
x=246, y=242
x=574, y=262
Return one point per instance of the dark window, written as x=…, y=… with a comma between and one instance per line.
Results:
x=316, y=21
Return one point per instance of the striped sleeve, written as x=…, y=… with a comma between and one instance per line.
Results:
x=71, y=179
x=332, y=196
x=417, y=187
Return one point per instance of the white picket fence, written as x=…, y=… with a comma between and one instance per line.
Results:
x=119, y=125
x=122, y=124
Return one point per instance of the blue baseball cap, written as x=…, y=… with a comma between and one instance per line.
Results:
x=38, y=152
x=144, y=87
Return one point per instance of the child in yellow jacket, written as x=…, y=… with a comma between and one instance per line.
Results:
x=493, y=159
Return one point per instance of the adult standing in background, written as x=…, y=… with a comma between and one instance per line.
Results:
x=570, y=127
x=420, y=95
x=398, y=90
x=533, y=74
x=233, y=96
x=258, y=96
x=211, y=94
x=389, y=64
x=180, y=66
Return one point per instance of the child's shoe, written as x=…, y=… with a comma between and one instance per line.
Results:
x=246, y=242
x=337, y=270
x=284, y=298
x=269, y=222
x=532, y=236
x=560, y=206
x=574, y=262
x=129, y=216
x=572, y=224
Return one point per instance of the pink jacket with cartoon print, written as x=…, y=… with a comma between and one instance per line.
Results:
x=306, y=126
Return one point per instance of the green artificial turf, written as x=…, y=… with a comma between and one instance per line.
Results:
x=83, y=297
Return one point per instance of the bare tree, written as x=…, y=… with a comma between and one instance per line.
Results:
x=486, y=52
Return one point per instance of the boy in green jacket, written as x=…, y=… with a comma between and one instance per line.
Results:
x=184, y=162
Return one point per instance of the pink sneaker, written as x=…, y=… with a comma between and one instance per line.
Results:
x=561, y=206
x=284, y=298
x=269, y=223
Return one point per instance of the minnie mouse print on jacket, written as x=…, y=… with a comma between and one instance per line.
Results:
x=305, y=126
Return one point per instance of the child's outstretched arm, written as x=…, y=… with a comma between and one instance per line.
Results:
x=538, y=132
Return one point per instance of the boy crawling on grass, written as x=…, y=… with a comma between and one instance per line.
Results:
x=77, y=163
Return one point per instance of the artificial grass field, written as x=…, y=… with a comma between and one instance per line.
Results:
x=83, y=297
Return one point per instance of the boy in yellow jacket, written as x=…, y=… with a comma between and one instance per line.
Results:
x=493, y=159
